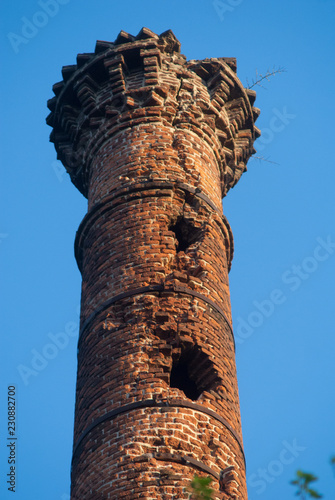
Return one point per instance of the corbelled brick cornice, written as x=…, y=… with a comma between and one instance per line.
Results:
x=144, y=79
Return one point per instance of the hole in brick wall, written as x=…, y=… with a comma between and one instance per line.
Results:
x=185, y=233
x=193, y=373
x=133, y=59
x=180, y=379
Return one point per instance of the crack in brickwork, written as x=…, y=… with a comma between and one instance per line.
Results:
x=154, y=142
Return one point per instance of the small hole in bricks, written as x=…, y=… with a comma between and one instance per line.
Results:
x=180, y=379
x=185, y=234
x=184, y=372
x=133, y=59
x=193, y=373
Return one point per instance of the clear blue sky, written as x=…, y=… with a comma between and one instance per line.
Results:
x=282, y=215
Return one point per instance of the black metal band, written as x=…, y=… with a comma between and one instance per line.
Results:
x=160, y=289
x=151, y=403
x=180, y=459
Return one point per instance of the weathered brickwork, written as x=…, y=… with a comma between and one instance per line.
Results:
x=154, y=142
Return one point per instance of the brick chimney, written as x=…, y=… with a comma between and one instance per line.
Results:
x=154, y=142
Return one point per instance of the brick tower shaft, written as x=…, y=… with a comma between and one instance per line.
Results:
x=154, y=142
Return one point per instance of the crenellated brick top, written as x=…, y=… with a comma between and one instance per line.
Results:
x=145, y=82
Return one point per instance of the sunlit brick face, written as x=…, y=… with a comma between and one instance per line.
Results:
x=154, y=142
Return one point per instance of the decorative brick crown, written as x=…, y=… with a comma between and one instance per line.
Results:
x=145, y=79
